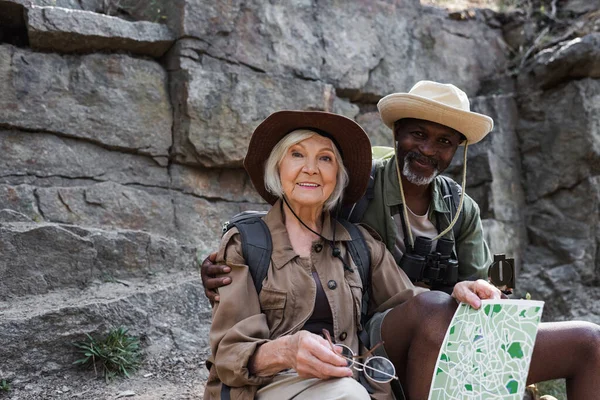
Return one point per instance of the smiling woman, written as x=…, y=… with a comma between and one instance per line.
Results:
x=270, y=345
x=317, y=157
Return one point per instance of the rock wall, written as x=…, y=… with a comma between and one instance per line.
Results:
x=123, y=125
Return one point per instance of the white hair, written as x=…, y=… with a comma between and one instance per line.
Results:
x=273, y=180
x=416, y=179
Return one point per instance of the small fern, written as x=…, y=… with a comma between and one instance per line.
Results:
x=118, y=354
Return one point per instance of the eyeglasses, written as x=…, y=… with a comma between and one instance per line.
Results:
x=376, y=368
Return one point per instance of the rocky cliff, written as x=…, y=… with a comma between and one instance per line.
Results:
x=123, y=125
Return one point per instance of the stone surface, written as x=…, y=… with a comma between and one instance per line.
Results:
x=223, y=184
x=575, y=59
x=66, y=31
x=559, y=133
x=41, y=341
x=561, y=262
x=189, y=219
x=365, y=49
x=20, y=199
x=219, y=106
x=40, y=258
x=43, y=155
x=113, y=100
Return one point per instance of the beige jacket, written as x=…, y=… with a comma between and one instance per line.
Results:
x=242, y=320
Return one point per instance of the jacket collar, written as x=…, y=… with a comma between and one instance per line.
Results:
x=391, y=189
x=283, y=251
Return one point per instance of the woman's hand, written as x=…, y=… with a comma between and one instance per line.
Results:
x=312, y=357
x=472, y=292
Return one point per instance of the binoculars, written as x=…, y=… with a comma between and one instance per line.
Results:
x=433, y=269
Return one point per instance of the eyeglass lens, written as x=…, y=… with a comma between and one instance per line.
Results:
x=377, y=368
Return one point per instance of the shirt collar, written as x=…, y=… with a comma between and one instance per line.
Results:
x=391, y=189
x=283, y=251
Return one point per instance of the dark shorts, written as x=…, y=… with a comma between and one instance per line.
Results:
x=374, y=330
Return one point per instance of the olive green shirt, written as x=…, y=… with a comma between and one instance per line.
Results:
x=473, y=254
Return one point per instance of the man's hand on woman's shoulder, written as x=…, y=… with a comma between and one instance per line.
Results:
x=212, y=278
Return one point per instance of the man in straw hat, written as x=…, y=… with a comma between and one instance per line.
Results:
x=429, y=123
x=408, y=201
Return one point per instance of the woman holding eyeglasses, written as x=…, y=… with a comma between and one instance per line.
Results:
x=299, y=337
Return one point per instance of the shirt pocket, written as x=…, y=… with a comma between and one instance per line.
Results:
x=272, y=304
x=356, y=289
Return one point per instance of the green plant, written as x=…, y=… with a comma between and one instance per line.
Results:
x=116, y=354
x=556, y=388
x=4, y=385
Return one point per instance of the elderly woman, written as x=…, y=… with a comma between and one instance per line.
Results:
x=277, y=344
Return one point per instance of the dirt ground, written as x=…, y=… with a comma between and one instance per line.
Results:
x=454, y=5
x=174, y=377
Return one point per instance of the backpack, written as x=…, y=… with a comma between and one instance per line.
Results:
x=257, y=248
x=451, y=192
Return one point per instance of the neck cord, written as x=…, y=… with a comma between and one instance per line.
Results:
x=334, y=250
x=404, y=206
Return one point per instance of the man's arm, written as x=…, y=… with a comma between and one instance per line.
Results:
x=211, y=277
x=474, y=256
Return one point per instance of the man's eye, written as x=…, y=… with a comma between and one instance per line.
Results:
x=445, y=141
x=418, y=134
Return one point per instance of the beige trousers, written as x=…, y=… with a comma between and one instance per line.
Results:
x=289, y=385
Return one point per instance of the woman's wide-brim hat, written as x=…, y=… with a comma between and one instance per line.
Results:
x=442, y=103
x=351, y=139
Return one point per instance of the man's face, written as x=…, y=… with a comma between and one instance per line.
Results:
x=425, y=148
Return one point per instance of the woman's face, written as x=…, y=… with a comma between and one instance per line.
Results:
x=308, y=172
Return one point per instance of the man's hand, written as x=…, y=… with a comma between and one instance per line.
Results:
x=472, y=292
x=209, y=271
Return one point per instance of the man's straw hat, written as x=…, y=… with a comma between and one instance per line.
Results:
x=437, y=102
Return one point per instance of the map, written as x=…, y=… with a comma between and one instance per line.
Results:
x=486, y=352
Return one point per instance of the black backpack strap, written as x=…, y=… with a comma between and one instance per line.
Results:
x=355, y=212
x=257, y=245
x=451, y=192
x=359, y=251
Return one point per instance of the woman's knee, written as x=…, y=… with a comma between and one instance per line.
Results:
x=346, y=389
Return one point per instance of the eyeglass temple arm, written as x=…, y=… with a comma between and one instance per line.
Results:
x=367, y=354
x=370, y=352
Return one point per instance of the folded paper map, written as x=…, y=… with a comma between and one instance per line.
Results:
x=486, y=352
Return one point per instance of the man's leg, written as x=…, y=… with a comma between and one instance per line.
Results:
x=413, y=333
x=568, y=350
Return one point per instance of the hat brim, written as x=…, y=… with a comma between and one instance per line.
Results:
x=396, y=106
x=354, y=144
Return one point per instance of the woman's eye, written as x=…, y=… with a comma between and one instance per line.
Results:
x=326, y=158
x=296, y=154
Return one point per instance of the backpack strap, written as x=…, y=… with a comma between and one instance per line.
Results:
x=356, y=211
x=257, y=245
x=359, y=251
x=451, y=192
